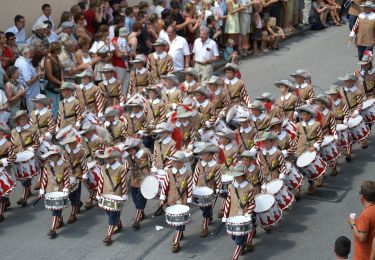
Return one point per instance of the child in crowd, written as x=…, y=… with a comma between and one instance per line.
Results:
x=259, y=36
x=276, y=33
x=230, y=55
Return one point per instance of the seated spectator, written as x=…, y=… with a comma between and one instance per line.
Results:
x=318, y=15
x=18, y=29
x=342, y=247
x=334, y=10
x=230, y=55
x=276, y=33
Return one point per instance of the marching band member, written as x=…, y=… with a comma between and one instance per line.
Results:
x=155, y=107
x=304, y=89
x=309, y=136
x=285, y=141
x=139, y=166
x=159, y=63
x=110, y=88
x=91, y=94
x=191, y=82
x=246, y=131
x=24, y=137
x=269, y=104
x=177, y=189
x=165, y=146
x=353, y=97
x=70, y=112
x=187, y=128
x=218, y=95
x=270, y=158
x=260, y=118
x=207, y=173
x=253, y=172
x=116, y=126
x=94, y=144
x=112, y=181
x=75, y=156
x=204, y=105
x=136, y=118
x=172, y=94
x=7, y=156
x=341, y=111
x=240, y=201
x=140, y=77
x=367, y=74
x=229, y=147
x=236, y=87
x=42, y=120
x=196, y=117
x=55, y=178
x=323, y=105
x=288, y=102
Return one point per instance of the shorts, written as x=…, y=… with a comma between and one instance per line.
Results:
x=245, y=22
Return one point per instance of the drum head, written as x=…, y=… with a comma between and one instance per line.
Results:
x=352, y=122
x=328, y=139
x=64, y=131
x=274, y=186
x=202, y=191
x=55, y=194
x=91, y=164
x=177, y=209
x=305, y=159
x=368, y=103
x=226, y=178
x=24, y=156
x=111, y=196
x=263, y=202
x=239, y=219
x=288, y=167
x=341, y=127
x=150, y=187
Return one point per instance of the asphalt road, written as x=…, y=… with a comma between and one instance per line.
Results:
x=307, y=232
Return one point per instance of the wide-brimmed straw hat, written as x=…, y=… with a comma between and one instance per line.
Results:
x=307, y=109
x=349, y=76
x=227, y=133
x=159, y=42
x=267, y=136
x=171, y=77
x=20, y=113
x=85, y=73
x=300, y=73
x=52, y=150
x=257, y=105
x=107, y=68
x=323, y=98
x=138, y=58
x=181, y=112
x=179, y=156
x=275, y=121
x=87, y=127
x=154, y=88
x=191, y=71
x=68, y=85
x=132, y=143
x=332, y=90
x=40, y=98
x=70, y=139
x=110, y=111
x=202, y=90
x=366, y=59
x=266, y=97
x=206, y=148
x=4, y=128
x=285, y=82
x=163, y=127
x=247, y=153
x=231, y=66
x=368, y=4
x=215, y=80
x=237, y=171
x=109, y=152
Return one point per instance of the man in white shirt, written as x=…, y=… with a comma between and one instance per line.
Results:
x=157, y=7
x=179, y=50
x=46, y=9
x=205, y=53
x=18, y=29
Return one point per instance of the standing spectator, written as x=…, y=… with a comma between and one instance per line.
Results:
x=144, y=44
x=364, y=226
x=133, y=36
x=14, y=92
x=118, y=22
x=205, y=53
x=179, y=50
x=232, y=25
x=190, y=13
x=129, y=19
x=54, y=73
x=67, y=32
x=50, y=34
x=96, y=16
x=29, y=76
x=179, y=20
x=7, y=57
x=80, y=29
x=152, y=28
x=82, y=55
x=47, y=11
x=219, y=12
x=243, y=39
x=65, y=17
x=102, y=49
x=68, y=62
x=157, y=7
x=342, y=247
x=18, y=29
x=39, y=33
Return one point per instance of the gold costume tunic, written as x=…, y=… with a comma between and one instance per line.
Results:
x=254, y=176
x=24, y=137
x=240, y=200
x=308, y=134
x=353, y=98
x=288, y=104
x=236, y=91
x=136, y=122
x=246, y=137
x=230, y=150
x=43, y=122
x=70, y=113
x=162, y=150
x=111, y=92
x=159, y=64
x=55, y=176
x=139, y=167
x=77, y=161
x=139, y=79
x=117, y=130
x=92, y=97
x=272, y=164
x=305, y=93
x=368, y=77
x=113, y=179
x=341, y=111
x=155, y=112
x=208, y=174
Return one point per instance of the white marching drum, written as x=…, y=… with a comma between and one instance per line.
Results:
x=6, y=182
x=24, y=165
x=111, y=202
x=282, y=194
x=225, y=181
x=267, y=211
x=294, y=179
x=368, y=110
x=358, y=128
x=68, y=130
x=177, y=215
x=329, y=149
x=239, y=225
x=150, y=187
x=343, y=135
x=312, y=165
x=202, y=196
x=94, y=175
x=56, y=200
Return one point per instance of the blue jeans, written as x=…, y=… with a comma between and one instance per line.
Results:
x=138, y=199
x=75, y=196
x=239, y=240
x=55, y=97
x=113, y=217
x=207, y=212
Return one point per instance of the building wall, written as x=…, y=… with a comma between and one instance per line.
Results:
x=32, y=9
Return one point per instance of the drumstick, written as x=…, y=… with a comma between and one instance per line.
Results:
x=36, y=201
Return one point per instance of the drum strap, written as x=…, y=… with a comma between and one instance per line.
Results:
x=180, y=193
x=268, y=164
x=65, y=117
x=239, y=200
x=107, y=93
x=152, y=110
x=114, y=188
x=205, y=176
x=132, y=123
x=54, y=175
x=22, y=141
x=84, y=96
x=161, y=154
x=347, y=99
x=243, y=141
x=37, y=122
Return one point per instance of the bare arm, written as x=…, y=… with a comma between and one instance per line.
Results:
x=48, y=71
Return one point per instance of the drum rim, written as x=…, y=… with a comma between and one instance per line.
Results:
x=143, y=189
x=265, y=193
x=306, y=153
